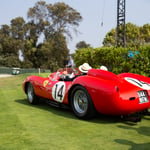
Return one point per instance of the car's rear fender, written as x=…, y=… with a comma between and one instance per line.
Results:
x=101, y=91
x=111, y=97
x=135, y=76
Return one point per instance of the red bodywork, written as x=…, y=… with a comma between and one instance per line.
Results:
x=111, y=94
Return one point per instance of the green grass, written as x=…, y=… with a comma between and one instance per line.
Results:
x=42, y=127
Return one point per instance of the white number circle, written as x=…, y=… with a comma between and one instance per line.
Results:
x=58, y=91
x=138, y=83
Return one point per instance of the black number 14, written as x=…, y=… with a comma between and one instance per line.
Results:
x=60, y=92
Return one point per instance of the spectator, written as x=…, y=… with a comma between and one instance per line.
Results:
x=70, y=62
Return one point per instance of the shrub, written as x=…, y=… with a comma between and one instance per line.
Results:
x=117, y=60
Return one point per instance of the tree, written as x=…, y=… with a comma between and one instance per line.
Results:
x=4, y=35
x=54, y=22
x=12, y=39
x=145, y=33
x=48, y=54
x=110, y=38
x=18, y=30
x=51, y=19
x=132, y=35
x=82, y=44
x=5, y=30
x=135, y=36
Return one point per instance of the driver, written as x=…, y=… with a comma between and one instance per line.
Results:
x=66, y=77
x=84, y=68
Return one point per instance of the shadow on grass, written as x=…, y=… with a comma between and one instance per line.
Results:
x=146, y=118
x=44, y=106
x=102, y=119
x=134, y=146
x=143, y=130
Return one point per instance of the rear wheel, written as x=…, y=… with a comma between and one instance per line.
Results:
x=81, y=103
x=32, y=98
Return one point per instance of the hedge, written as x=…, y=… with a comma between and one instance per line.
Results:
x=117, y=60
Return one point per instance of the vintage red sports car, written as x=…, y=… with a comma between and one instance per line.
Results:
x=98, y=91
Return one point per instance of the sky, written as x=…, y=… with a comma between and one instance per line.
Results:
x=93, y=12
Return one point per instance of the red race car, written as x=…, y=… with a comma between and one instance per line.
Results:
x=98, y=91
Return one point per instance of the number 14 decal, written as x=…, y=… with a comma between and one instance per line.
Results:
x=58, y=91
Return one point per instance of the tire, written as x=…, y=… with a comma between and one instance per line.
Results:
x=81, y=103
x=32, y=98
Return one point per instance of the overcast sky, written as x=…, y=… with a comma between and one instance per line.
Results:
x=94, y=12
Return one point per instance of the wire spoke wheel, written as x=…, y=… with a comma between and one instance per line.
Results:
x=81, y=103
x=31, y=95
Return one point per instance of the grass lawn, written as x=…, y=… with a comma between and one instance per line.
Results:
x=41, y=127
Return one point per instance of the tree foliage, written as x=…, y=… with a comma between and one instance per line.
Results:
x=52, y=23
x=135, y=36
x=50, y=19
x=82, y=44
